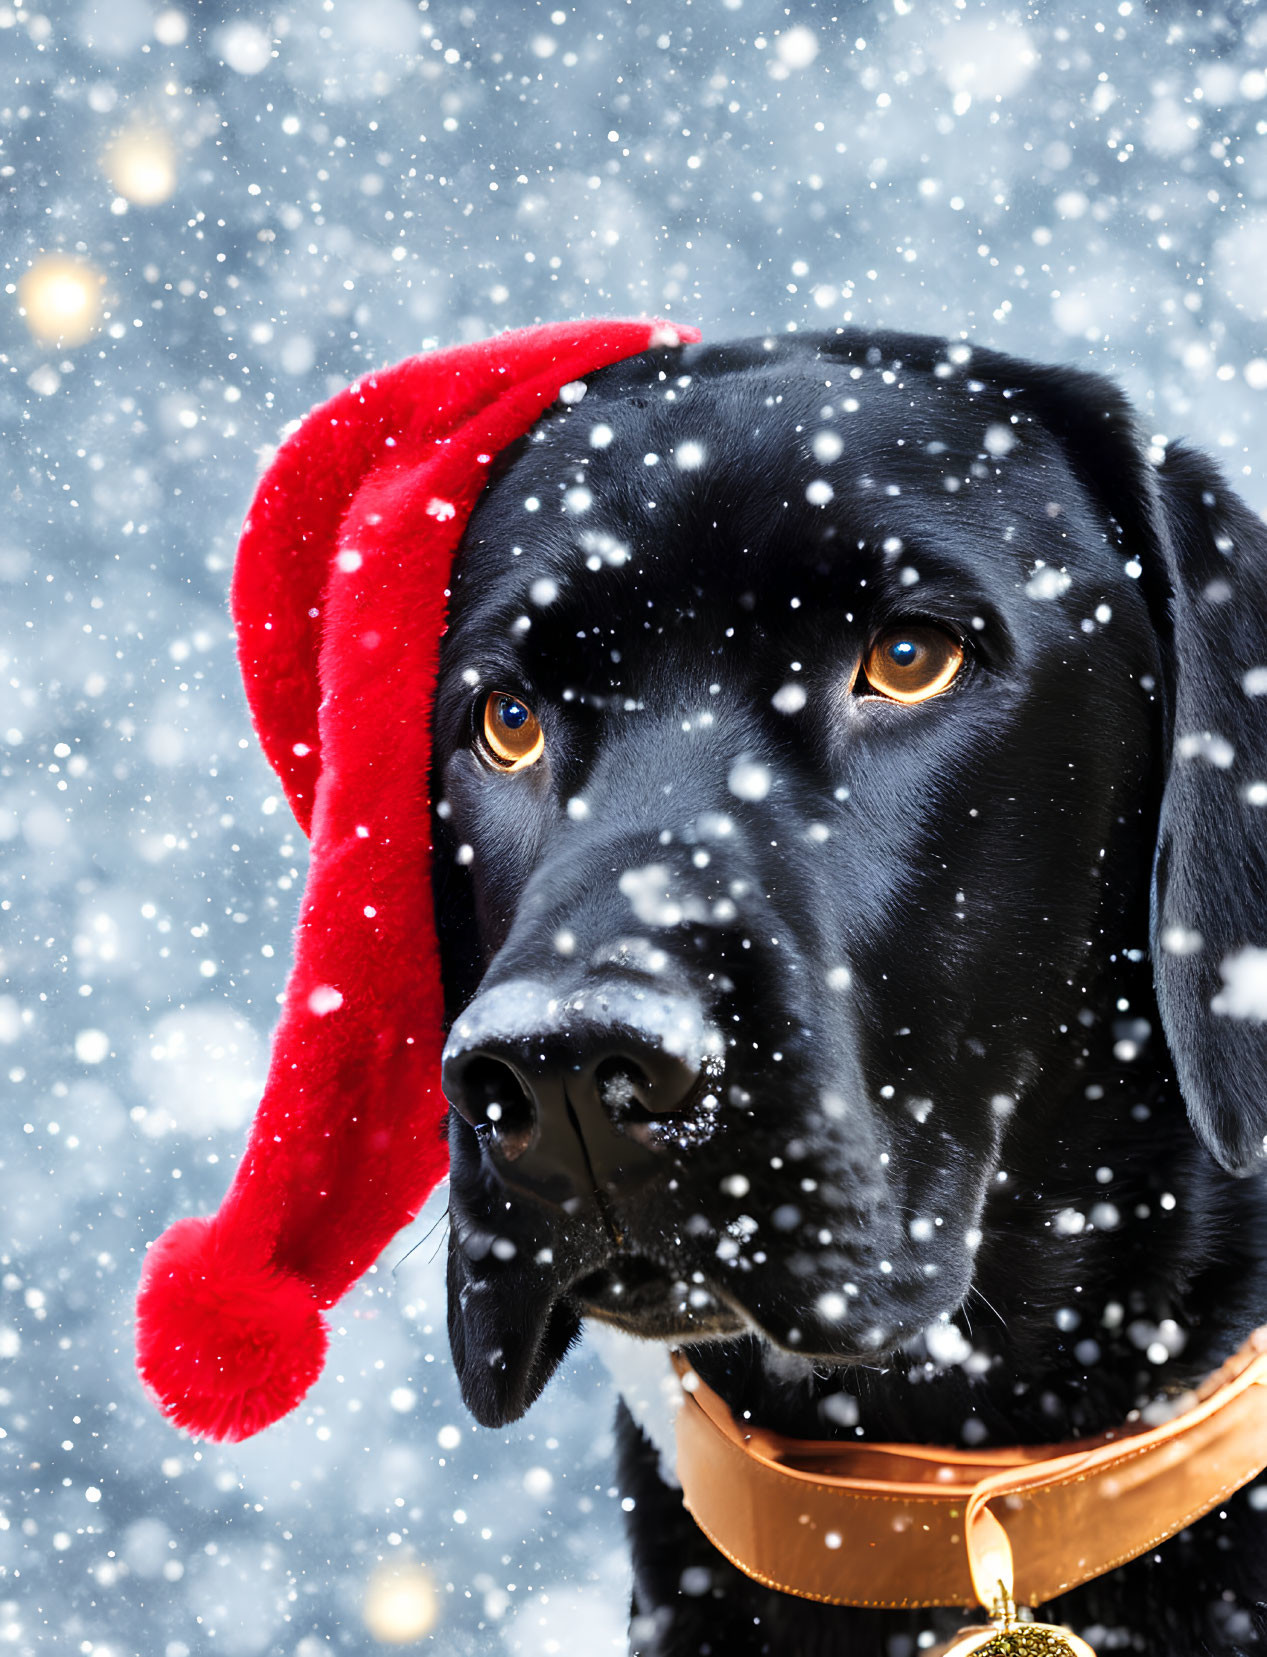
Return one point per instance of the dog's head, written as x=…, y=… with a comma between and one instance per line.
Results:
x=812, y=720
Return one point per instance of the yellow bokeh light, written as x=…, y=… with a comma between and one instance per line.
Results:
x=140, y=164
x=401, y=1604
x=62, y=299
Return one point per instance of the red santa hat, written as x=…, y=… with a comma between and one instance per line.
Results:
x=339, y=596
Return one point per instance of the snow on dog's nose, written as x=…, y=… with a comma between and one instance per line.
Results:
x=561, y=1089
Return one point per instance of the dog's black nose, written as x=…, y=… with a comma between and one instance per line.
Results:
x=565, y=1090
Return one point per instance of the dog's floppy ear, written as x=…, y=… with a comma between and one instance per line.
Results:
x=1209, y=906
x=1200, y=556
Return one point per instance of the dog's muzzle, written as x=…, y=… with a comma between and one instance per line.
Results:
x=569, y=1093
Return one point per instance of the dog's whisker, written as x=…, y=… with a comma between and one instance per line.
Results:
x=981, y=1296
x=441, y=1219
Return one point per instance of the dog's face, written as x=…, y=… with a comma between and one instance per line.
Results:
x=796, y=749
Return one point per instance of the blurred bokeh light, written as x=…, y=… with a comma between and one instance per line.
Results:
x=400, y=1602
x=140, y=163
x=61, y=300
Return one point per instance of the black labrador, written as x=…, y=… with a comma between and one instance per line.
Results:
x=851, y=879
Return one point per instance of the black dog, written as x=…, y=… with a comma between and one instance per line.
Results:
x=818, y=722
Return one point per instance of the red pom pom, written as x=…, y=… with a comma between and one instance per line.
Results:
x=225, y=1347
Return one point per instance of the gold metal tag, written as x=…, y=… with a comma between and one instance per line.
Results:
x=1008, y=1636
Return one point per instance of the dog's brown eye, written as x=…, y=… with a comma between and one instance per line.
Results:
x=510, y=733
x=910, y=664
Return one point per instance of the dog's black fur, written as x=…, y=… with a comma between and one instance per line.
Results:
x=1016, y=1108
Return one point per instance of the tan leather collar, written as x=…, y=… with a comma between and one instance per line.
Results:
x=914, y=1525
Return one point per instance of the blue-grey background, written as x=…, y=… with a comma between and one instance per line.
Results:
x=342, y=182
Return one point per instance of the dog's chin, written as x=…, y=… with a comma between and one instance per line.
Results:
x=508, y=1338
x=644, y=1299
x=509, y=1333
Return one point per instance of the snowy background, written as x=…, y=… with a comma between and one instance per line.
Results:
x=215, y=215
